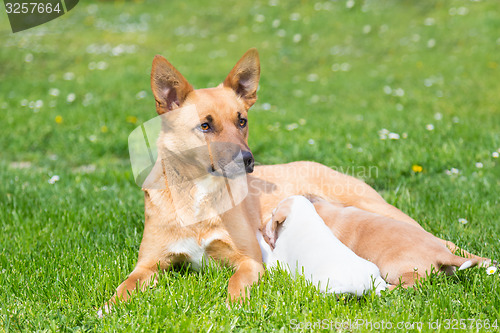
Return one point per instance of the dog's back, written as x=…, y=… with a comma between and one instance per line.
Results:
x=304, y=244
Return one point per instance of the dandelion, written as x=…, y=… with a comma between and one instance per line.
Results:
x=417, y=168
x=491, y=270
x=71, y=98
x=494, y=154
x=131, y=119
x=429, y=127
x=104, y=129
x=462, y=221
x=59, y=119
x=479, y=165
x=53, y=179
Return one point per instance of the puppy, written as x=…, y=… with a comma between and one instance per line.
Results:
x=403, y=252
x=299, y=239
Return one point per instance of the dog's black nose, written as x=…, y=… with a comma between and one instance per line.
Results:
x=248, y=161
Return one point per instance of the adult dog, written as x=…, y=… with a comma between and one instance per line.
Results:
x=228, y=236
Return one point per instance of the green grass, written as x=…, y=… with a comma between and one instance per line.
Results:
x=65, y=247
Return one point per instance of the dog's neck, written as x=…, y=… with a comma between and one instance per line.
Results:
x=174, y=193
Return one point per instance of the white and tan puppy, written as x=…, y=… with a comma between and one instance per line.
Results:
x=404, y=253
x=299, y=240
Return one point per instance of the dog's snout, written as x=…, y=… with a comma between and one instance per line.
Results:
x=248, y=161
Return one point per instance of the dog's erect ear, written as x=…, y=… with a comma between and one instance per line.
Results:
x=169, y=87
x=244, y=77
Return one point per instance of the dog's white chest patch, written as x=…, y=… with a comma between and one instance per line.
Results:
x=194, y=251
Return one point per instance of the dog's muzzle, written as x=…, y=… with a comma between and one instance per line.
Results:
x=248, y=161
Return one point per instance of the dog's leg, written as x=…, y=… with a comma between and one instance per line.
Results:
x=141, y=277
x=247, y=273
x=247, y=269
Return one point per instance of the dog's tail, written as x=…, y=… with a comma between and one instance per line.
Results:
x=451, y=262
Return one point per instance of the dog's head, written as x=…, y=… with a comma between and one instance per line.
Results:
x=213, y=118
x=280, y=214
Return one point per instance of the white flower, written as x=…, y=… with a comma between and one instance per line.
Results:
x=463, y=221
x=429, y=127
x=311, y=141
x=266, y=106
x=393, y=136
x=71, y=98
x=141, y=94
x=491, y=270
x=312, y=77
x=28, y=57
x=54, y=92
x=431, y=43
x=479, y=165
x=68, y=76
x=292, y=126
x=438, y=116
x=387, y=90
x=54, y=179
x=494, y=154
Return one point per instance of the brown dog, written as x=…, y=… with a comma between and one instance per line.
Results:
x=404, y=253
x=229, y=236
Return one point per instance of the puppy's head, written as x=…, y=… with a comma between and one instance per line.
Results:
x=212, y=118
x=273, y=227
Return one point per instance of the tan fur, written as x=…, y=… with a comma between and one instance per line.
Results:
x=402, y=252
x=268, y=185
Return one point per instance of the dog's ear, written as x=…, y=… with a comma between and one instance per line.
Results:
x=169, y=87
x=244, y=77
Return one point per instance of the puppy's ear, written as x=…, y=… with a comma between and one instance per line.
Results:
x=244, y=77
x=279, y=216
x=169, y=87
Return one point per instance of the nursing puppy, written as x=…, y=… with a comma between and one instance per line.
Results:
x=403, y=252
x=302, y=242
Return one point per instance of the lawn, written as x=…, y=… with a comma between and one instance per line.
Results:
x=408, y=90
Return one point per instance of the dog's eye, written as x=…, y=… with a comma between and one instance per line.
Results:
x=243, y=122
x=205, y=127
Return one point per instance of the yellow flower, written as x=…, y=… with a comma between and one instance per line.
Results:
x=131, y=119
x=59, y=119
x=104, y=129
x=417, y=168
